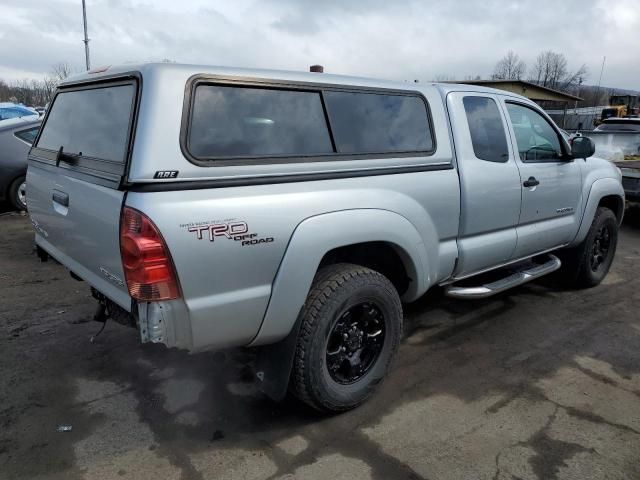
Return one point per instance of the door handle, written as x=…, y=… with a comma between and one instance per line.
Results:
x=60, y=198
x=531, y=182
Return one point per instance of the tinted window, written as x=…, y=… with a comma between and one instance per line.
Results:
x=377, y=123
x=486, y=128
x=234, y=121
x=28, y=135
x=536, y=138
x=94, y=123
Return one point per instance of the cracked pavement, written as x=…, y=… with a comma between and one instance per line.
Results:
x=537, y=383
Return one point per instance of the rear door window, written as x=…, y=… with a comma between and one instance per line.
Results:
x=90, y=122
x=378, y=123
x=252, y=122
x=486, y=128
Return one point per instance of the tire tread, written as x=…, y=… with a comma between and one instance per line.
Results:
x=328, y=281
x=575, y=271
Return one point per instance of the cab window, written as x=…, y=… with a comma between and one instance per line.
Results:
x=487, y=131
x=537, y=140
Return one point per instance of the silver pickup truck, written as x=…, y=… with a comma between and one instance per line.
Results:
x=296, y=212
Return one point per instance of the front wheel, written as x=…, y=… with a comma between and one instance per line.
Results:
x=587, y=264
x=351, y=328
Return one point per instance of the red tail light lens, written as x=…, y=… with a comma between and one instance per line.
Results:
x=146, y=261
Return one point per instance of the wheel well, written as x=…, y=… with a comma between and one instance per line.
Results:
x=382, y=257
x=613, y=203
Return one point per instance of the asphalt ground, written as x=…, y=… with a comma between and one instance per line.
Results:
x=537, y=383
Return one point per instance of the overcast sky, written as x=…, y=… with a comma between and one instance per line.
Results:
x=395, y=39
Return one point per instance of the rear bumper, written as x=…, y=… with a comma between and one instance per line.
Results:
x=158, y=322
x=196, y=324
x=165, y=322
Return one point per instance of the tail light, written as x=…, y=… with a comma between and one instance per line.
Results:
x=146, y=261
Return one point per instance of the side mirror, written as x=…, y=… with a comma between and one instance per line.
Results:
x=582, y=147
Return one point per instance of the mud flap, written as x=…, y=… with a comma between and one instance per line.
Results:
x=274, y=363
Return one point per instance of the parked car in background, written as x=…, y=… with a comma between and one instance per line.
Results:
x=16, y=138
x=12, y=110
x=618, y=140
x=619, y=125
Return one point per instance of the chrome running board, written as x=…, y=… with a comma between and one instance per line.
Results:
x=513, y=280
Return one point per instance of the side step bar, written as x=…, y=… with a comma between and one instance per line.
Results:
x=518, y=278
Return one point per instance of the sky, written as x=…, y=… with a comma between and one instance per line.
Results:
x=392, y=39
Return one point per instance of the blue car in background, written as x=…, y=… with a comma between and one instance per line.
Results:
x=12, y=110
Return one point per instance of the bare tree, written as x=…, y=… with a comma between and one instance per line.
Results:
x=35, y=92
x=5, y=91
x=60, y=71
x=48, y=88
x=22, y=91
x=550, y=70
x=575, y=78
x=509, y=67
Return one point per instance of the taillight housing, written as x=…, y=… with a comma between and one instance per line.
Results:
x=147, y=264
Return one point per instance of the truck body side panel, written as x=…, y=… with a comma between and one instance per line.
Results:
x=325, y=232
x=596, y=191
x=226, y=280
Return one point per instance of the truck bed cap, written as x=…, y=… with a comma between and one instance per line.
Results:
x=153, y=69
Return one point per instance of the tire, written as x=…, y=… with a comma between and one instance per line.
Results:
x=17, y=193
x=579, y=267
x=362, y=304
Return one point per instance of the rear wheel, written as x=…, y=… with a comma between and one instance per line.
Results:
x=351, y=328
x=18, y=193
x=587, y=264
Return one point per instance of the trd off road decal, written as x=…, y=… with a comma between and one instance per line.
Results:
x=232, y=229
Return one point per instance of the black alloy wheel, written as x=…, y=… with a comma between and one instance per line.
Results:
x=355, y=343
x=600, y=248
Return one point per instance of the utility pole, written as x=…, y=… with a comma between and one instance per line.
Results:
x=604, y=59
x=86, y=38
x=575, y=107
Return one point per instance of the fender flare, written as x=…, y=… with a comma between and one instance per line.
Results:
x=314, y=237
x=601, y=188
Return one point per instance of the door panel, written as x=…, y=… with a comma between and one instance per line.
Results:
x=490, y=185
x=551, y=184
